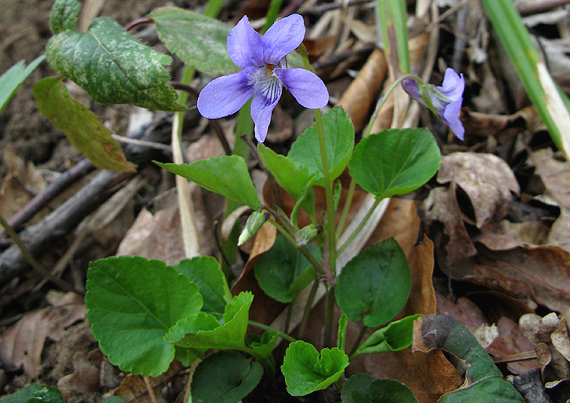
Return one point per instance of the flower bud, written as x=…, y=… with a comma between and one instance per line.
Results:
x=253, y=224
x=307, y=234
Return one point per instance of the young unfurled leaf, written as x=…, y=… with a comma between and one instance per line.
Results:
x=341, y=335
x=226, y=175
x=196, y=39
x=203, y=330
x=398, y=335
x=374, y=285
x=35, y=393
x=305, y=372
x=263, y=345
x=282, y=272
x=206, y=273
x=291, y=175
x=11, y=80
x=132, y=302
x=63, y=15
x=483, y=380
x=113, y=67
x=363, y=388
x=339, y=141
x=395, y=162
x=225, y=377
x=83, y=129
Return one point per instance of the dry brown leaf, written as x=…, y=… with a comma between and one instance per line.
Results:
x=512, y=341
x=21, y=183
x=486, y=179
x=555, y=175
x=159, y=235
x=264, y=308
x=441, y=207
x=559, y=234
x=134, y=389
x=536, y=273
x=502, y=127
x=85, y=377
x=362, y=92
x=22, y=344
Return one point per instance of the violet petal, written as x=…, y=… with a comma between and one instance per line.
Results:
x=225, y=95
x=283, y=37
x=308, y=89
x=261, y=109
x=451, y=117
x=411, y=87
x=245, y=46
x=453, y=85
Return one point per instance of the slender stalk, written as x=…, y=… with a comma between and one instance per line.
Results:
x=346, y=208
x=34, y=263
x=358, y=340
x=284, y=336
x=308, y=307
x=360, y=226
x=303, y=249
x=272, y=13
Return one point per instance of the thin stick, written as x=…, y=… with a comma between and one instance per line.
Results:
x=34, y=263
x=150, y=389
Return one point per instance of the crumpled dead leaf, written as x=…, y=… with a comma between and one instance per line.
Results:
x=22, y=344
x=85, y=377
x=486, y=179
x=21, y=183
x=134, y=389
x=555, y=175
x=550, y=334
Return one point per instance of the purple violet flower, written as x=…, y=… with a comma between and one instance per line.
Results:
x=262, y=60
x=445, y=100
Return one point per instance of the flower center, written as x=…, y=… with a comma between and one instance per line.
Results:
x=270, y=68
x=266, y=82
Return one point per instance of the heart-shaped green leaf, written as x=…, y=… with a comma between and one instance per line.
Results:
x=206, y=273
x=374, y=285
x=398, y=335
x=196, y=39
x=82, y=128
x=339, y=143
x=305, y=372
x=113, y=67
x=203, y=330
x=225, y=377
x=363, y=388
x=132, y=302
x=226, y=175
x=395, y=162
x=282, y=272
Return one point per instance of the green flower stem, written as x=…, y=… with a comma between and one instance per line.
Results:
x=357, y=342
x=346, y=208
x=308, y=307
x=284, y=336
x=303, y=249
x=384, y=98
x=272, y=14
x=360, y=226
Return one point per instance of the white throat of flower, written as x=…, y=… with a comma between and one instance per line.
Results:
x=266, y=82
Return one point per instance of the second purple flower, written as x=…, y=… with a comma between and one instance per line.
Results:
x=264, y=72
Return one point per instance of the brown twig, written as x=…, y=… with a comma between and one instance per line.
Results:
x=50, y=192
x=541, y=7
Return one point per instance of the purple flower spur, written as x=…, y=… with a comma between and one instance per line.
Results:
x=445, y=100
x=262, y=60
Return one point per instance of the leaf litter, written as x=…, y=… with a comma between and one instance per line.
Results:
x=470, y=254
